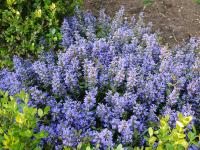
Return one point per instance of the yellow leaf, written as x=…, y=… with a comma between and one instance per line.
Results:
x=6, y=141
x=187, y=120
x=52, y=6
x=38, y=13
x=17, y=13
x=159, y=148
x=182, y=142
x=163, y=122
x=19, y=118
x=180, y=116
x=179, y=125
x=6, y=144
x=152, y=140
x=150, y=132
x=180, y=136
x=10, y=2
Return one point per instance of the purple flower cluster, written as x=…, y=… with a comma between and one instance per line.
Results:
x=112, y=80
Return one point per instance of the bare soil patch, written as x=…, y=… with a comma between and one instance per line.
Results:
x=175, y=20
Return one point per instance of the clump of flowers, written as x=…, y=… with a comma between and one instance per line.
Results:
x=111, y=82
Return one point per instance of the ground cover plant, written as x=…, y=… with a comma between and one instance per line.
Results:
x=111, y=83
x=29, y=26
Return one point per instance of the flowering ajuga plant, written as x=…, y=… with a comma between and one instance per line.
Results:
x=112, y=81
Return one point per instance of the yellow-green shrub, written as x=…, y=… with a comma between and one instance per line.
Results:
x=24, y=24
x=178, y=138
x=18, y=123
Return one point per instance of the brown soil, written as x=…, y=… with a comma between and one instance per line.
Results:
x=176, y=20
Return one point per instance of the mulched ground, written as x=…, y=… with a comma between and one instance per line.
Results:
x=175, y=20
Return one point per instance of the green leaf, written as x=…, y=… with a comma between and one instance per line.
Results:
x=179, y=125
x=6, y=137
x=6, y=94
x=159, y=147
x=1, y=130
x=10, y=2
x=67, y=148
x=152, y=140
x=156, y=132
x=168, y=92
x=97, y=146
x=46, y=110
x=194, y=129
x=20, y=118
x=55, y=38
x=27, y=133
x=180, y=116
x=22, y=94
x=79, y=146
x=187, y=120
x=182, y=142
x=169, y=84
x=41, y=135
x=120, y=147
x=191, y=136
x=38, y=148
x=53, y=31
x=26, y=99
x=129, y=148
x=1, y=92
x=166, y=118
x=180, y=136
x=163, y=122
x=40, y=113
x=150, y=130
x=88, y=148
x=169, y=146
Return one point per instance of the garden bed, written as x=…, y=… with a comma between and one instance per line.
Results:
x=98, y=83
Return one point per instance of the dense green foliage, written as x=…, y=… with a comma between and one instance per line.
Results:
x=18, y=128
x=25, y=25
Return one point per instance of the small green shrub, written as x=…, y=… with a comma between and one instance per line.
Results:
x=19, y=123
x=197, y=1
x=147, y=2
x=26, y=24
